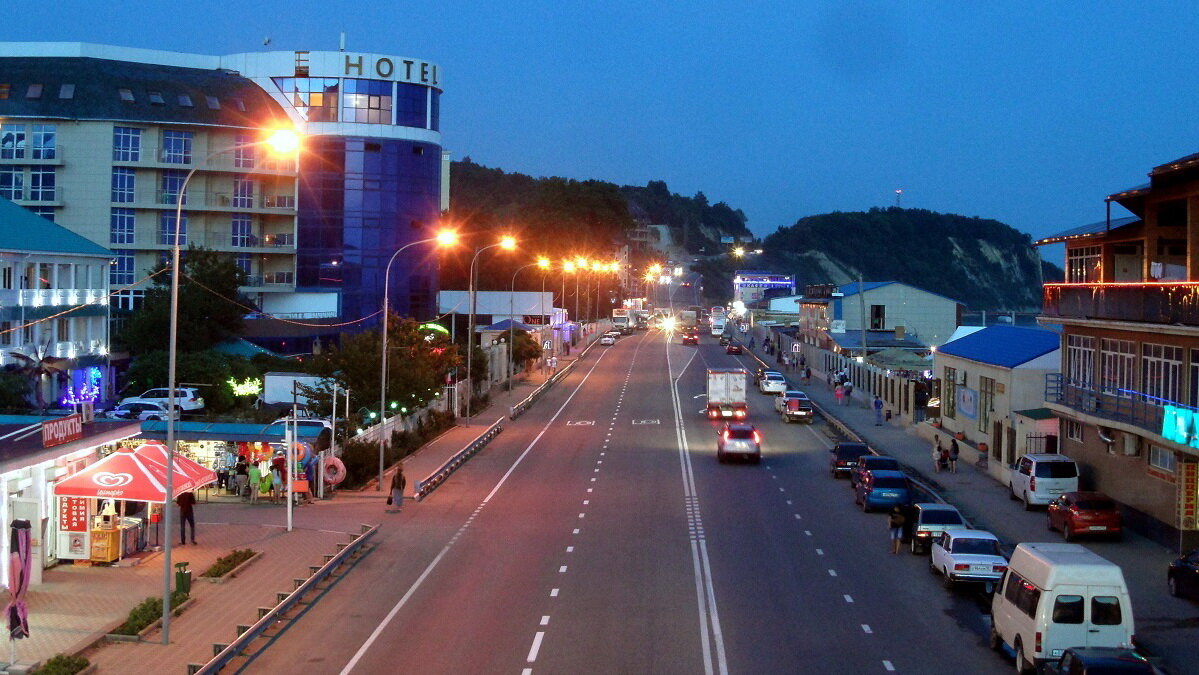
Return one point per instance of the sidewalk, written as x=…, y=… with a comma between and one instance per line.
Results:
x=1165, y=626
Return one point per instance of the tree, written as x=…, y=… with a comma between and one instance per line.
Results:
x=208, y=290
x=211, y=370
x=14, y=390
x=38, y=368
x=525, y=348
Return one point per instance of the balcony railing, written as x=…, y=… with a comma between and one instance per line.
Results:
x=1119, y=405
x=1167, y=302
x=50, y=297
x=281, y=240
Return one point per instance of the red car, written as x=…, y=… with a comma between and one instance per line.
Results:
x=1076, y=513
x=690, y=338
x=732, y=348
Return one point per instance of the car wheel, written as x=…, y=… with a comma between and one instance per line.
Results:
x=932, y=569
x=947, y=581
x=1011, y=492
x=1027, y=504
x=1067, y=533
x=1172, y=584
x=995, y=642
x=1022, y=665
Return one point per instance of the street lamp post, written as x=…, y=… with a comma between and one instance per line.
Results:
x=542, y=262
x=282, y=141
x=507, y=243
x=444, y=239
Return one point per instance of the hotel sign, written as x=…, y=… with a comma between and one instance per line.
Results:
x=64, y=430
x=373, y=65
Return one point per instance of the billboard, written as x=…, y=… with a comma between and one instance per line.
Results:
x=749, y=286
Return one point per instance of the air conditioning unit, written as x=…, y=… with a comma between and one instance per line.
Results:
x=1132, y=445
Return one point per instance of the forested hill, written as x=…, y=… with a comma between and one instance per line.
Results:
x=982, y=263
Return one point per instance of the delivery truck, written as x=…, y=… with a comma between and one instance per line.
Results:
x=621, y=321
x=727, y=393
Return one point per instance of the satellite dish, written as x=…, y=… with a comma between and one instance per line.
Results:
x=266, y=41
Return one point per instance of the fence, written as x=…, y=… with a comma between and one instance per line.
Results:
x=433, y=480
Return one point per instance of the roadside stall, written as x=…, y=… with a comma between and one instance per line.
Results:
x=92, y=501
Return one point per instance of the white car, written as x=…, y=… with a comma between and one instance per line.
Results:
x=186, y=398
x=607, y=340
x=140, y=410
x=772, y=383
x=968, y=555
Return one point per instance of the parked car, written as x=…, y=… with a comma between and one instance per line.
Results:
x=929, y=521
x=1100, y=661
x=141, y=410
x=1182, y=577
x=733, y=348
x=739, y=438
x=798, y=408
x=883, y=490
x=844, y=456
x=607, y=341
x=868, y=463
x=760, y=373
x=772, y=383
x=186, y=398
x=1039, y=478
x=1056, y=596
x=967, y=555
x=1076, y=513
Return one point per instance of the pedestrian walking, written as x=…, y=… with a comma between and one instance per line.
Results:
x=803, y=362
x=187, y=514
x=878, y=411
x=848, y=387
x=807, y=374
x=895, y=523
x=953, y=455
x=839, y=392
x=751, y=342
x=553, y=365
x=937, y=455
x=943, y=462
x=254, y=474
x=241, y=476
x=398, y=483
x=766, y=346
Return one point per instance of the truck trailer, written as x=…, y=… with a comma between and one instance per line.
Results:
x=727, y=393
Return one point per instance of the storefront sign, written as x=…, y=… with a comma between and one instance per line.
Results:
x=65, y=430
x=72, y=514
x=1187, y=489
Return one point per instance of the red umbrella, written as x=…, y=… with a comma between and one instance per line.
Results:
x=136, y=475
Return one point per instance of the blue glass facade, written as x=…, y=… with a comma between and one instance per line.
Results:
x=361, y=199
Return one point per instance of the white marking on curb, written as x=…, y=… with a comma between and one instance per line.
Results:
x=582, y=515
x=819, y=551
x=797, y=517
x=576, y=531
x=832, y=573
x=562, y=569
x=570, y=549
x=586, y=502
x=808, y=532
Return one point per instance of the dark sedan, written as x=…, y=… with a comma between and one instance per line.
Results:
x=1183, y=576
x=1101, y=661
x=843, y=457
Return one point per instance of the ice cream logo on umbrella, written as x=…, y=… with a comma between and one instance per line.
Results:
x=109, y=479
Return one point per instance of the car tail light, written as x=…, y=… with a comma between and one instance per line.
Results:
x=1037, y=647
x=757, y=437
x=961, y=567
x=712, y=412
x=726, y=435
x=1032, y=487
x=998, y=569
x=738, y=413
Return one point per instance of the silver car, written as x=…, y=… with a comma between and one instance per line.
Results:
x=739, y=439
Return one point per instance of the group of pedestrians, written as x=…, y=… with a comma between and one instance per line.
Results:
x=945, y=457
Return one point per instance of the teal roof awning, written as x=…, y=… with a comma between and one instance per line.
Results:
x=225, y=431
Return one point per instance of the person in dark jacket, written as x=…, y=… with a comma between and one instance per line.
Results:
x=187, y=514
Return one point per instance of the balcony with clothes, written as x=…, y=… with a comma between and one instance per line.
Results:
x=1161, y=302
x=1126, y=406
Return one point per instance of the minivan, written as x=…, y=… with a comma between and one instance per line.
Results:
x=1039, y=478
x=1056, y=596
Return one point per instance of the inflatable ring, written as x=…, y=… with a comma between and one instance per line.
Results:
x=301, y=450
x=335, y=471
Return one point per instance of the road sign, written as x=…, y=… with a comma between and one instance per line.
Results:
x=546, y=345
x=795, y=347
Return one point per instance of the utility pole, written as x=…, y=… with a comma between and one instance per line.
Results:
x=899, y=198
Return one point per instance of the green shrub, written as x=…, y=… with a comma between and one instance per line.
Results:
x=225, y=564
x=362, y=459
x=62, y=664
x=146, y=613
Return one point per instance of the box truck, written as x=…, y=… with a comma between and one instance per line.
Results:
x=726, y=393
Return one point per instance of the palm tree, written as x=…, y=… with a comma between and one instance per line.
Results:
x=38, y=367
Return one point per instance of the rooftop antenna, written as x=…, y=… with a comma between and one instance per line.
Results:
x=899, y=198
x=342, y=42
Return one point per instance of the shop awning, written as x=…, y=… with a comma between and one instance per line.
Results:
x=136, y=474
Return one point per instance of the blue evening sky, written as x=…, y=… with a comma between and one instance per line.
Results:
x=1026, y=112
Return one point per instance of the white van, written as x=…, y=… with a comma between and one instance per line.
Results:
x=1039, y=478
x=1056, y=596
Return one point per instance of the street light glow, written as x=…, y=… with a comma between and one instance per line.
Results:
x=447, y=238
x=568, y=266
x=283, y=141
x=543, y=263
x=739, y=251
x=508, y=242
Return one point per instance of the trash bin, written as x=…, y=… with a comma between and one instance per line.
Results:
x=183, y=578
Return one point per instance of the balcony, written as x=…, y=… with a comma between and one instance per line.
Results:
x=47, y=297
x=1165, y=302
x=268, y=241
x=1118, y=405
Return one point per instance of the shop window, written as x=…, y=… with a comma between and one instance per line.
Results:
x=1162, y=459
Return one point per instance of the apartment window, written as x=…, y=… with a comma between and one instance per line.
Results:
x=243, y=155
x=242, y=227
x=245, y=263
x=1082, y=264
x=1162, y=459
x=12, y=141
x=1161, y=372
x=6, y=277
x=124, y=185
x=1117, y=366
x=1073, y=429
x=156, y=98
x=5, y=90
x=172, y=183
x=44, y=140
x=243, y=193
x=12, y=182
x=949, y=392
x=126, y=144
x=878, y=317
x=986, y=402
x=177, y=147
x=314, y=98
x=166, y=229
x=62, y=329
x=1080, y=360
x=367, y=101
x=213, y=102
x=185, y=101
x=41, y=183
x=121, y=225
x=1194, y=378
x=120, y=273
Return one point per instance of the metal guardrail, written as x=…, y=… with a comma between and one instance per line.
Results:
x=435, y=479
x=223, y=654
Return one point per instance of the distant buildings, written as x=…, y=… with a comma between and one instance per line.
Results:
x=828, y=312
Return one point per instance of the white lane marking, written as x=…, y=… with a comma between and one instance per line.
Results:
x=866, y=629
x=586, y=502
x=553, y=592
x=576, y=531
x=545, y=621
x=536, y=646
x=592, y=480
x=848, y=599
x=562, y=569
x=782, y=489
x=808, y=532
x=797, y=516
x=788, y=502
x=570, y=549
x=832, y=573
x=590, y=489
x=888, y=665
x=774, y=477
x=582, y=515
x=433, y=564
x=819, y=551
x=527, y=671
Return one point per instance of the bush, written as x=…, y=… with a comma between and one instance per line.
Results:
x=362, y=459
x=225, y=564
x=62, y=664
x=146, y=613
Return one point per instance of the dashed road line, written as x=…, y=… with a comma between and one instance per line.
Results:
x=545, y=621
x=866, y=629
x=848, y=599
x=888, y=665
x=536, y=646
x=553, y=592
x=832, y=573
